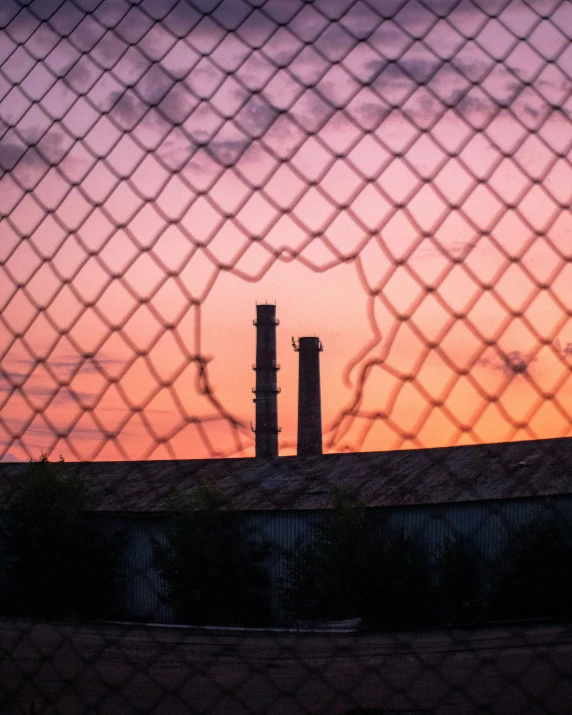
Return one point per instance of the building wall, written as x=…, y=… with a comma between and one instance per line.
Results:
x=141, y=592
x=485, y=525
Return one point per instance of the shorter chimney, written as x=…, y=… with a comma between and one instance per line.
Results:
x=309, y=397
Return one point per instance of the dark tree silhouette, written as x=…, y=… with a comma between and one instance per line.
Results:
x=351, y=567
x=56, y=562
x=533, y=576
x=212, y=567
x=460, y=583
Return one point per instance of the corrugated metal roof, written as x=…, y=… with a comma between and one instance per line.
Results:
x=424, y=476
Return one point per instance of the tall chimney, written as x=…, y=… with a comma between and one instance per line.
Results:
x=309, y=398
x=266, y=429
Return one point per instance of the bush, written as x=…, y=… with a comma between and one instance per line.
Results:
x=533, y=576
x=403, y=591
x=352, y=568
x=55, y=560
x=460, y=590
x=213, y=570
x=325, y=573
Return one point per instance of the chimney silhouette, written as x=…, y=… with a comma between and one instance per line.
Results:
x=266, y=429
x=309, y=397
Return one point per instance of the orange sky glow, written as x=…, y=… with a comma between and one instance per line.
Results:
x=395, y=174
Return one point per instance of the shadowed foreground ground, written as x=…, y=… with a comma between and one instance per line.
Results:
x=116, y=669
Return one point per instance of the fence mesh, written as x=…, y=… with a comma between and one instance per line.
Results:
x=397, y=175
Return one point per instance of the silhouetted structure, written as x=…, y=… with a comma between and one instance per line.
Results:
x=266, y=391
x=472, y=495
x=309, y=397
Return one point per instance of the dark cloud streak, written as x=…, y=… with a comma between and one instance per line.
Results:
x=28, y=153
x=511, y=363
x=147, y=84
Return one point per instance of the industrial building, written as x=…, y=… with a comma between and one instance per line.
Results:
x=477, y=491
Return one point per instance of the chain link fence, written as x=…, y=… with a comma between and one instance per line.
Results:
x=397, y=175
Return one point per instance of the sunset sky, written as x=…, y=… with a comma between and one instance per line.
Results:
x=396, y=175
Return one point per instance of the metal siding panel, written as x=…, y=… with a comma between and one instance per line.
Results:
x=142, y=585
x=485, y=525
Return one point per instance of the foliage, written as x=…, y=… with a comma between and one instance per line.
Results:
x=213, y=568
x=533, y=576
x=403, y=591
x=56, y=561
x=324, y=571
x=459, y=582
x=350, y=568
